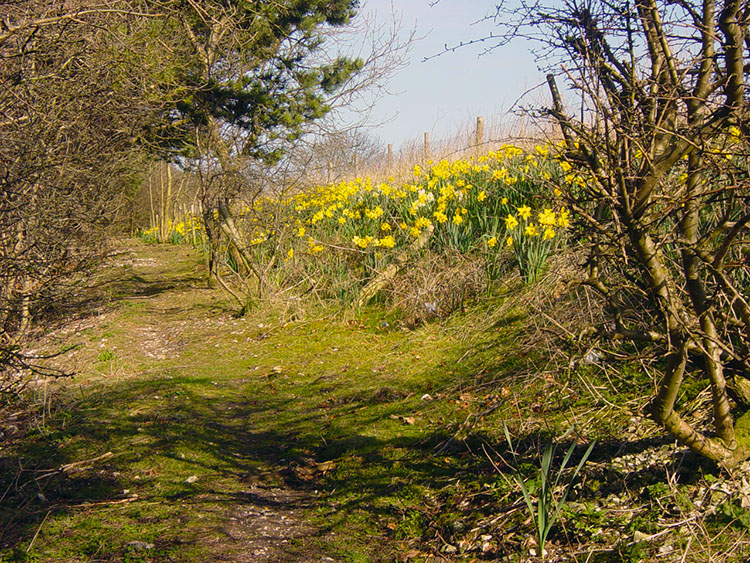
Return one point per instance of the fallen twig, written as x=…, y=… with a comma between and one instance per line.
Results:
x=68, y=466
x=31, y=543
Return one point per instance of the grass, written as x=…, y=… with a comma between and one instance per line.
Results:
x=175, y=387
x=187, y=430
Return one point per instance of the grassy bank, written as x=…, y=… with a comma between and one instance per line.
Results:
x=190, y=434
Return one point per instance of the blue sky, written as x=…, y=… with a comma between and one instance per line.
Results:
x=445, y=94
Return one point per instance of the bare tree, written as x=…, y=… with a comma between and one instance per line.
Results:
x=658, y=159
x=70, y=112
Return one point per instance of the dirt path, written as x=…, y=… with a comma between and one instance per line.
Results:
x=172, y=391
x=265, y=522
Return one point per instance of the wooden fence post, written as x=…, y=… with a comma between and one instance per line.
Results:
x=479, y=138
x=426, y=146
x=390, y=159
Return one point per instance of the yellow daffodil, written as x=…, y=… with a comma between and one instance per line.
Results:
x=531, y=230
x=374, y=213
x=564, y=218
x=524, y=212
x=387, y=241
x=511, y=222
x=361, y=242
x=492, y=242
x=547, y=217
x=440, y=217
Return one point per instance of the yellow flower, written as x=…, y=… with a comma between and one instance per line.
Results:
x=524, y=212
x=492, y=242
x=374, y=213
x=531, y=230
x=482, y=196
x=547, y=217
x=440, y=217
x=511, y=222
x=301, y=232
x=504, y=201
x=564, y=219
x=342, y=220
x=422, y=222
x=549, y=233
x=509, y=241
x=361, y=242
x=290, y=254
x=387, y=241
x=385, y=227
x=457, y=219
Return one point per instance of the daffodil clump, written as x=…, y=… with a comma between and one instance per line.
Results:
x=533, y=236
x=506, y=199
x=178, y=232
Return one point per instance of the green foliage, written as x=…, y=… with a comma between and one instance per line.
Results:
x=19, y=555
x=259, y=72
x=541, y=494
x=106, y=356
x=731, y=512
x=413, y=525
x=149, y=237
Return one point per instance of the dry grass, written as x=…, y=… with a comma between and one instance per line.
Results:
x=434, y=286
